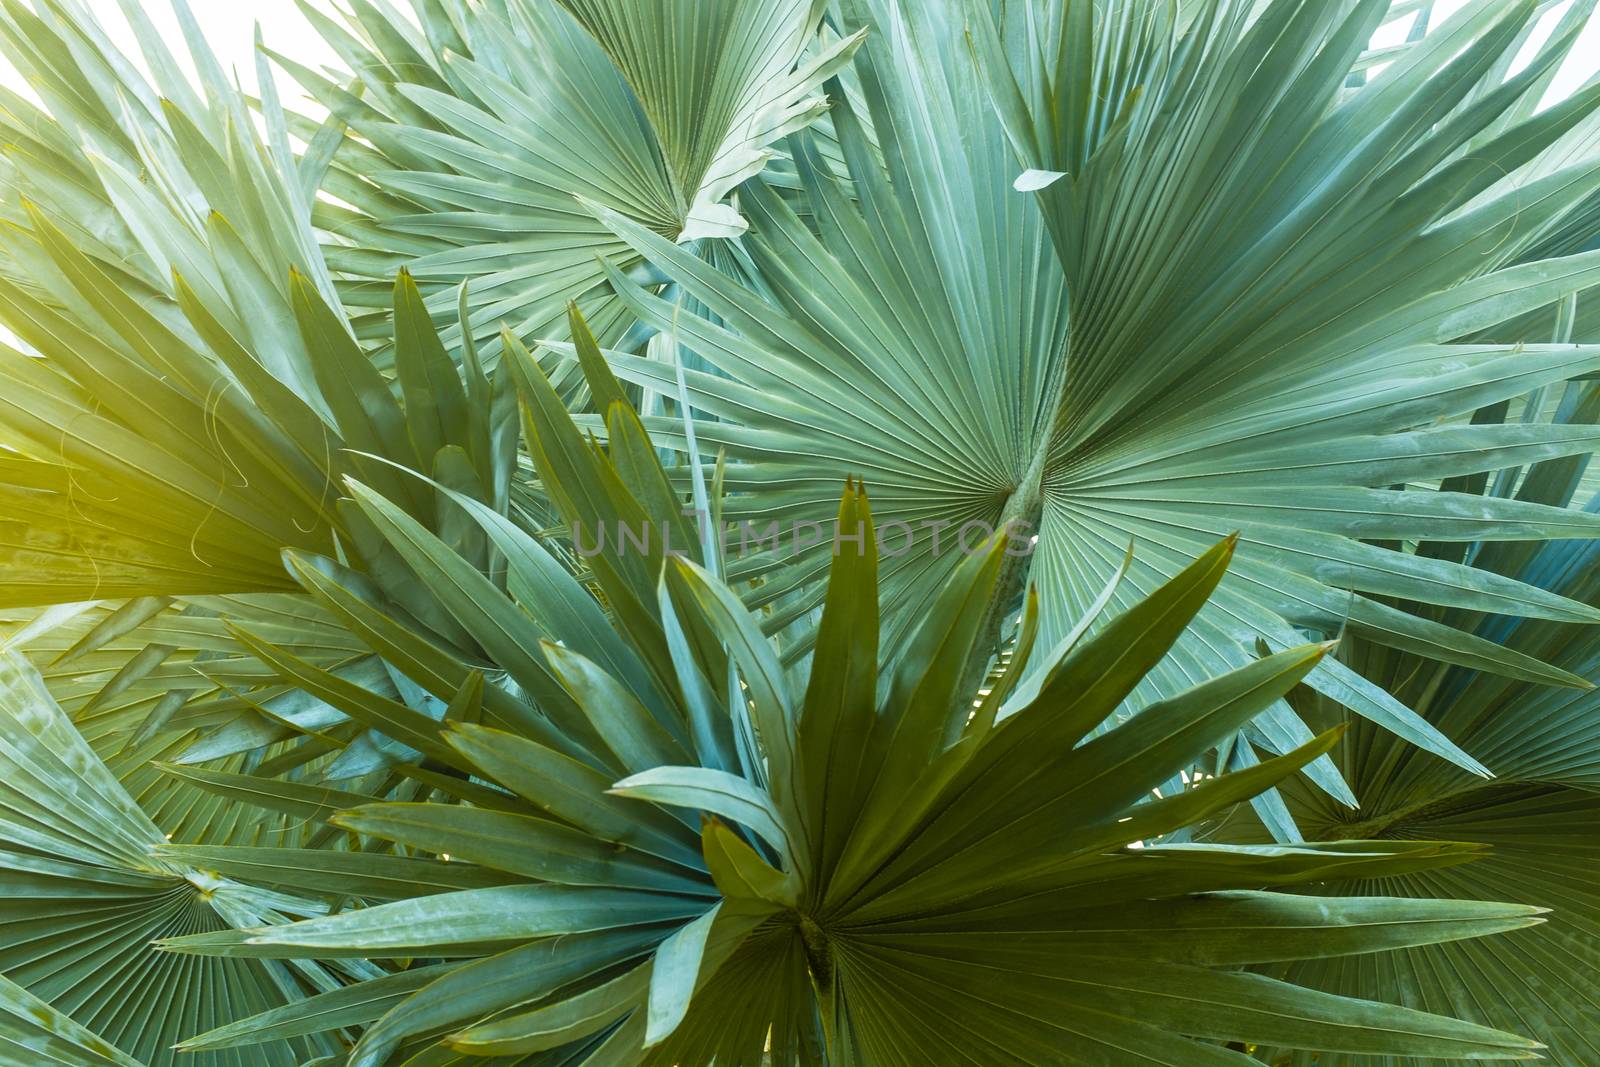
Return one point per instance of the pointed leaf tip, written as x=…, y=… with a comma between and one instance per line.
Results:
x=1032, y=180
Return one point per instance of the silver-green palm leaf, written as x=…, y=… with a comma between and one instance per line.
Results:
x=474, y=136
x=1538, y=817
x=86, y=896
x=297, y=622
x=1211, y=314
x=817, y=864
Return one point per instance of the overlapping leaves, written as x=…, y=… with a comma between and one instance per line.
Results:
x=1243, y=289
x=1278, y=356
x=32, y=1032
x=475, y=134
x=1538, y=816
x=827, y=863
x=86, y=896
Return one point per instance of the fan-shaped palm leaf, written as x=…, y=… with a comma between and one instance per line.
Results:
x=1539, y=816
x=192, y=391
x=475, y=133
x=86, y=895
x=1175, y=346
x=32, y=1032
x=536, y=805
x=897, y=860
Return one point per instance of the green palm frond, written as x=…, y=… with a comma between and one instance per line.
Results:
x=32, y=1033
x=898, y=861
x=170, y=682
x=192, y=392
x=473, y=136
x=86, y=895
x=189, y=395
x=141, y=464
x=1172, y=339
x=1538, y=817
x=1253, y=329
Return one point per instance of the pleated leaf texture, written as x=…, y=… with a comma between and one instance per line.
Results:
x=1537, y=817
x=719, y=861
x=1254, y=328
x=86, y=897
x=1197, y=668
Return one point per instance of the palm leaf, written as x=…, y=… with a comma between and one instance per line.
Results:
x=33, y=1033
x=1537, y=816
x=309, y=676
x=472, y=138
x=86, y=897
x=983, y=363
x=892, y=862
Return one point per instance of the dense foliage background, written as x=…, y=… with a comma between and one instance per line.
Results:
x=1208, y=678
